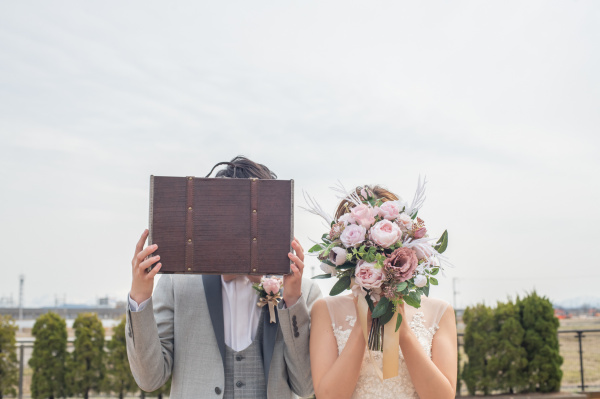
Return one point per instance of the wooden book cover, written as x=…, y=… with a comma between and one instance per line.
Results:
x=221, y=225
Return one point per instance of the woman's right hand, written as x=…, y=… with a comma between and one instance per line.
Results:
x=142, y=281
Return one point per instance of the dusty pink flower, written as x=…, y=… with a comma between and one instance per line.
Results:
x=353, y=235
x=272, y=285
x=338, y=256
x=389, y=210
x=420, y=233
x=385, y=233
x=364, y=215
x=401, y=264
x=367, y=275
x=336, y=230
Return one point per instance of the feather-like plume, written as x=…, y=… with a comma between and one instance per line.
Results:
x=419, y=197
x=315, y=208
x=344, y=194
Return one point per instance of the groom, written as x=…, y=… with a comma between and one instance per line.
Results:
x=208, y=332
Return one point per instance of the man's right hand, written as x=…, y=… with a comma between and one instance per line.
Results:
x=143, y=282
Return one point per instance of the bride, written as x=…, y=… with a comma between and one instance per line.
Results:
x=342, y=367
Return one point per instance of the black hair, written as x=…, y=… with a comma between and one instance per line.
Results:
x=243, y=168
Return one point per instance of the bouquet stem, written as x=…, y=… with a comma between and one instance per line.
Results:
x=376, y=336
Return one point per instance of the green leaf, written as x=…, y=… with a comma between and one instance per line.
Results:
x=414, y=215
x=342, y=285
x=426, y=290
x=316, y=248
x=370, y=302
x=413, y=299
x=346, y=265
x=442, y=243
x=399, y=321
x=387, y=316
x=381, y=307
x=401, y=286
x=433, y=280
x=321, y=276
x=435, y=271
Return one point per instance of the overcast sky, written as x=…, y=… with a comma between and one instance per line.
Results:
x=496, y=102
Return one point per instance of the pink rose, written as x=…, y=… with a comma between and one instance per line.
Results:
x=353, y=235
x=385, y=233
x=347, y=219
x=389, y=210
x=272, y=285
x=367, y=276
x=364, y=215
x=420, y=233
x=401, y=264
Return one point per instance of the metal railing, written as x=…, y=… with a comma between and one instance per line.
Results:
x=580, y=350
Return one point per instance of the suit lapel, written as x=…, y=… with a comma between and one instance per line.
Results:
x=212, y=290
x=269, y=336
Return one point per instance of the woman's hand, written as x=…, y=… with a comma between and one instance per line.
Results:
x=292, y=283
x=142, y=281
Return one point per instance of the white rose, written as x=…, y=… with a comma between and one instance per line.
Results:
x=385, y=233
x=347, y=219
x=420, y=281
x=338, y=256
x=404, y=221
x=328, y=269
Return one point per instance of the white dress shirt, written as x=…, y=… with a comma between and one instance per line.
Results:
x=241, y=313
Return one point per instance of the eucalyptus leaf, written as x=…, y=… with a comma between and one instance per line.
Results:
x=342, y=285
x=399, y=321
x=426, y=290
x=381, y=307
x=435, y=271
x=321, y=276
x=442, y=243
x=401, y=286
x=316, y=248
x=387, y=316
x=433, y=280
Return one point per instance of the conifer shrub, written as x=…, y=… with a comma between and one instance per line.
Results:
x=9, y=366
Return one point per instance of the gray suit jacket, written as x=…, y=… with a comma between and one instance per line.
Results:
x=180, y=331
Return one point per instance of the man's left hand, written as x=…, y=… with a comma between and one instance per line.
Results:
x=292, y=283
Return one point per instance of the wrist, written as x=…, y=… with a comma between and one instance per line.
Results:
x=138, y=297
x=290, y=300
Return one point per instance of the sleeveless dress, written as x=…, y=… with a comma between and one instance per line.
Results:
x=423, y=322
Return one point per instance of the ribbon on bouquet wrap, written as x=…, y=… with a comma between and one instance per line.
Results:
x=272, y=301
x=391, y=341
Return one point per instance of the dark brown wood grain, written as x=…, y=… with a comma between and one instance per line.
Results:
x=218, y=227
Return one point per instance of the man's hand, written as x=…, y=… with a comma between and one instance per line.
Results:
x=143, y=282
x=292, y=283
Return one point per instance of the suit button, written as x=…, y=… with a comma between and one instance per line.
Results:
x=217, y=390
x=130, y=334
x=296, y=334
x=239, y=384
x=294, y=318
x=239, y=358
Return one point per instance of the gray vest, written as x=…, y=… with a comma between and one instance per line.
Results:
x=244, y=370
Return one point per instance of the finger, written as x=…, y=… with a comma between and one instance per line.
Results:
x=295, y=270
x=298, y=241
x=148, y=262
x=140, y=244
x=298, y=249
x=154, y=271
x=146, y=251
x=297, y=261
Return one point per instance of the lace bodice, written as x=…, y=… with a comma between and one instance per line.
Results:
x=423, y=322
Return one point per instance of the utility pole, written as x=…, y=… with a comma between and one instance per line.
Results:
x=454, y=291
x=21, y=283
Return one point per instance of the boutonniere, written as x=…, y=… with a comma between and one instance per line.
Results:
x=269, y=293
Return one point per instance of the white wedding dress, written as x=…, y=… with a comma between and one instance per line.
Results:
x=423, y=322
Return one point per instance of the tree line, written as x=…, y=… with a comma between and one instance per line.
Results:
x=94, y=365
x=512, y=347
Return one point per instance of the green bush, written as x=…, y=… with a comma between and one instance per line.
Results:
x=9, y=367
x=85, y=372
x=480, y=326
x=49, y=357
x=118, y=373
x=541, y=343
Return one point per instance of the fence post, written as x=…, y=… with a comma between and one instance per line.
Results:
x=21, y=361
x=579, y=336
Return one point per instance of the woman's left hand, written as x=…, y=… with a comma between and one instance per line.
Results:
x=292, y=283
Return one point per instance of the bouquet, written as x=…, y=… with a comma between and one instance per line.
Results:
x=381, y=249
x=269, y=293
